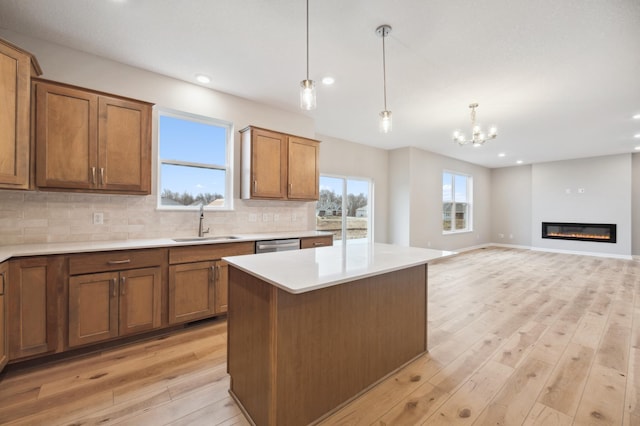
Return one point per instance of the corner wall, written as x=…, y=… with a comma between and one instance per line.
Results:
x=417, y=174
x=511, y=206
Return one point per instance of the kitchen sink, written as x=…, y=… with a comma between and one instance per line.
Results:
x=212, y=238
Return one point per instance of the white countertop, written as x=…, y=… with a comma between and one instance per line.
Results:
x=21, y=250
x=311, y=269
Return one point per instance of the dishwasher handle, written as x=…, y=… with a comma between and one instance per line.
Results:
x=267, y=246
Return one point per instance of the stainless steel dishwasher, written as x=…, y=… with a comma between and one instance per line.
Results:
x=268, y=246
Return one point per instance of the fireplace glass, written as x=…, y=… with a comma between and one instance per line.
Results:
x=597, y=232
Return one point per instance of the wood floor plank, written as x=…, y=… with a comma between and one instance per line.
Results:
x=566, y=384
x=603, y=399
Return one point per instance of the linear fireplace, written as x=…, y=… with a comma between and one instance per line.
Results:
x=597, y=232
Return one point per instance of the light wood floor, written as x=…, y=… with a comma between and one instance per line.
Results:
x=516, y=338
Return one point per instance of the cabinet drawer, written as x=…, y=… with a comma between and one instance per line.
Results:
x=115, y=260
x=313, y=242
x=209, y=252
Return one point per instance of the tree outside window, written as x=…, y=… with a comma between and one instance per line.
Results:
x=344, y=207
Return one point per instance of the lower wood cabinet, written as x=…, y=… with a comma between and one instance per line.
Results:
x=33, y=309
x=4, y=343
x=106, y=305
x=199, y=280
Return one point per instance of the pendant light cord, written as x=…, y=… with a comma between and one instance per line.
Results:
x=307, y=39
x=384, y=69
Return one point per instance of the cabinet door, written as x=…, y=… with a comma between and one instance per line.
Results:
x=4, y=351
x=268, y=164
x=14, y=118
x=191, y=291
x=124, y=145
x=66, y=135
x=304, y=174
x=93, y=308
x=222, y=286
x=140, y=293
x=33, y=307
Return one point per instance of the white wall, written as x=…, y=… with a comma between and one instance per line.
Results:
x=635, y=204
x=424, y=188
x=606, y=182
x=400, y=196
x=511, y=205
x=340, y=157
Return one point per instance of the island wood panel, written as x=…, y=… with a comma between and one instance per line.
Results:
x=295, y=357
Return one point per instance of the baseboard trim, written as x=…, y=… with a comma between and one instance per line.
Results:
x=584, y=253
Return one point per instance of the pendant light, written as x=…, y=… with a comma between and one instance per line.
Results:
x=307, y=87
x=385, y=116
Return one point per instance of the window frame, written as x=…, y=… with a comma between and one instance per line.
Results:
x=227, y=168
x=469, y=179
x=370, y=203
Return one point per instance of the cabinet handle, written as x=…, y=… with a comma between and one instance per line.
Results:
x=218, y=273
x=318, y=244
x=255, y=185
x=101, y=176
x=123, y=280
x=93, y=176
x=290, y=188
x=2, y=290
x=113, y=287
x=118, y=262
x=213, y=273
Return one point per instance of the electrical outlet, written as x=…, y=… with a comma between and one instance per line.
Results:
x=265, y=217
x=253, y=217
x=501, y=235
x=98, y=218
x=511, y=236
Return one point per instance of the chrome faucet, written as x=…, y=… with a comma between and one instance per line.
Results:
x=201, y=232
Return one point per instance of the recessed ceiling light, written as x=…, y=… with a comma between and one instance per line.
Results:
x=637, y=136
x=502, y=154
x=328, y=81
x=203, y=78
x=636, y=117
x=519, y=162
x=637, y=148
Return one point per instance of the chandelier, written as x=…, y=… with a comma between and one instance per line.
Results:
x=478, y=137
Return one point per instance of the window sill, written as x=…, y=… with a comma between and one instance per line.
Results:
x=464, y=231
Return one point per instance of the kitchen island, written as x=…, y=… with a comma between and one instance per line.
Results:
x=309, y=330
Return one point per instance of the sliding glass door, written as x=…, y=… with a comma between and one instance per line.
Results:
x=345, y=207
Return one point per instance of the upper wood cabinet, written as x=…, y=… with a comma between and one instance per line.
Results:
x=16, y=68
x=90, y=141
x=278, y=166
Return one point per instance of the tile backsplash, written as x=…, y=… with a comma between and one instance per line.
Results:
x=40, y=217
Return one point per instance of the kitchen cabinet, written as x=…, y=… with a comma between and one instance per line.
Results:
x=91, y=141
x=278, y=166
x=4, y=341
x=198, y=280
x=34, y=284
x=16, y=69
x=121, y=296
x=314, y=242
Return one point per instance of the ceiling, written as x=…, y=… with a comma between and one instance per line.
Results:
x=560, y=79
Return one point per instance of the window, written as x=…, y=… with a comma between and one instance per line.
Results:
x=344, y=207
x=195, y=157
x=456, y=202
